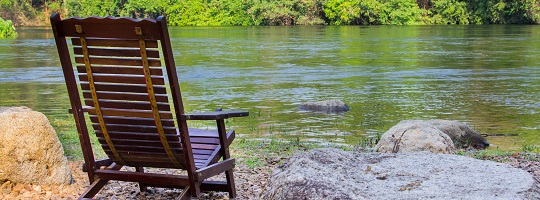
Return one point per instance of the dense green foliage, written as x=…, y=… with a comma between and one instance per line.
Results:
x=290, y=12
x=7, y=30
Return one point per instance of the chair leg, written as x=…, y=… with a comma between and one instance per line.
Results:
x=230, y=183
x=93, y=189
x=194, y=189
x=142, y=186
x=185, y=194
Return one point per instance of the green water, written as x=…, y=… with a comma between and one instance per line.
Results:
x=485, y=76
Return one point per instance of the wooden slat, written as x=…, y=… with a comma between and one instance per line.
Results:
x=204, y=140
x=145, y=156
x=118, y=61
x=135, y=128
x=149, y=163
x=129, y=113
x=194, y=132
x=151, y=155
x=115, y=78
x=142, y=149
x=156, y=159
x=126, y=96
x=138, y=136
x=149, y=160
x=104, y=42
x=132, y=120
x=110, y=28
x=132, y=156
x=215, y=169
x=116, y=52
x=202, y=151
x=96, y=69
x=154, y=143
x=128, y=105
x=203, y=146
x=201, y=157
x=215, y=115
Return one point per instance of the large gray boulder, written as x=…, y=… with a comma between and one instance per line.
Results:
x=30, y=150
x=461, y=134
x=415, y=136
x=336, y=174
x=328, y=106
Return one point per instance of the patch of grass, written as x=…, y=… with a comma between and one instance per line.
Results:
x=486, y=154
x=530, y=148
x=369, y=143
x=256, y=153
x=499, y=155
x=69, y=137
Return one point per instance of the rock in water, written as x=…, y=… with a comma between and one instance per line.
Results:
x=415, y=136
x=30, y=150
x=461, y=134
x=336, y=174
x=329, y=106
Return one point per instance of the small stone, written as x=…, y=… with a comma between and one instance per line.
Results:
x=27, y=187
x=36, y=188
x=18, y=187
x=7, y=185
x=46, y=187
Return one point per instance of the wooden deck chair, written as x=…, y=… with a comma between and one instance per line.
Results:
x=135, y=107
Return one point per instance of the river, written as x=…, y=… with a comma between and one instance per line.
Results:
x=485, y=76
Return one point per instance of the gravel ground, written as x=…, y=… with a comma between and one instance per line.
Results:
x=250, y=182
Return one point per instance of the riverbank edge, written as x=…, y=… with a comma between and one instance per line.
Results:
x=256, y=159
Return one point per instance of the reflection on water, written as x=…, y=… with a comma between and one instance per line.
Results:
x=486, y=76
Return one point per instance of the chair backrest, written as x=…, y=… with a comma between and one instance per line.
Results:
x=125, y=89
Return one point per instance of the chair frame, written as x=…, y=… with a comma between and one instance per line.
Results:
x=101, y=171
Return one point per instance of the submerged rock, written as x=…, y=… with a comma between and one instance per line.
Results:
x=336, y=174
x=329, y=106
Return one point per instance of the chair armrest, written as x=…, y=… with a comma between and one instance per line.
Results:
x=215, y=115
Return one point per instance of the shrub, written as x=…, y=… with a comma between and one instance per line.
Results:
x=279, y=12
x=402, y=12
x=450, y=12
x=7, y=30
x=85, y=8
x=145, y=8
x=354, y=12
x=310, y=12
x=188, y=13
